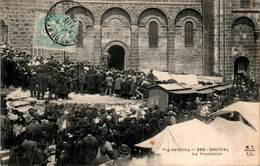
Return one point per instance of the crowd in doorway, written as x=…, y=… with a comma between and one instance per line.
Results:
x=40, y=75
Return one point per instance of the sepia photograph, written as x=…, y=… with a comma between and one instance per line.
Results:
x=130, y=82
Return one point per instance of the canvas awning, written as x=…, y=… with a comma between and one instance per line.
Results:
x=194, y=135
x=183, y=134
x=186, y=91
x=249, y=110
x=205, y=91
x=236, y=129
x=220, y=88
x=169, y=87
x=188, y=79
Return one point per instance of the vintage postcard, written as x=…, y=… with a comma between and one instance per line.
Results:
x=130, y=82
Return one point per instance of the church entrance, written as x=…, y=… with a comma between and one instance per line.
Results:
x=116, y=57
x=241, y=69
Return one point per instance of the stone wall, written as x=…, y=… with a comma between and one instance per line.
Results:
x=236, y=33
x=171, y=55
x=153, y=58
x=188, y=59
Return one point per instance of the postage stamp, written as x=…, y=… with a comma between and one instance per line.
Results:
x=61, y=29
x=56, y=28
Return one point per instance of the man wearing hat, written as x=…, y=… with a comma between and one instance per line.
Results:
x=150, y=77
x=90, y=147
x=33, y=83
x=125, y=88
x=42, y=84
x=172, y=116
x=109, y=83
x=30, y=147
x=118, y=85
x=125, y=156
x=82, y=81
x=6, y=129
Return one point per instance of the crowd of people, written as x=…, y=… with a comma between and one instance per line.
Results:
x=60, y=78
x=79, y=134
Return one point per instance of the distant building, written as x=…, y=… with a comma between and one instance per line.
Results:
x=203, y=37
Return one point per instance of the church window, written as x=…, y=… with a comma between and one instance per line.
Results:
x=189, y=34
x=153, y=34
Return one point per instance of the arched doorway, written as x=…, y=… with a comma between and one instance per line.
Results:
x=116, y=57
x=241, y=68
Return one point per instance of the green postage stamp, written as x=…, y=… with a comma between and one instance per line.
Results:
x=61, y=29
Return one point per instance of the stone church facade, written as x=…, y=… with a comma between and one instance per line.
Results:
x=203, y=37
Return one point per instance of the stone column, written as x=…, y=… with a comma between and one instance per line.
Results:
x=170, y=47
x=97, y=44
x=133, y=59
x=257, y=66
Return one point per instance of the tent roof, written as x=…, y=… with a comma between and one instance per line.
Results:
x=182, y=136
x=235, y=129
x=188, y=79
x=174, y=86
x=185, y=91
x=210, y=79
x=205, y=91
x=164, y=76
x=249, y=110
x=193, y=135
x=220, y=88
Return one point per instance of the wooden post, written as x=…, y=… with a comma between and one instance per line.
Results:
x=64, y=56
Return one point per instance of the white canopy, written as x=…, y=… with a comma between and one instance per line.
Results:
x=190, y=134
x=249, y=110
x=164, y=76
x=195, y=143
x=236, y=129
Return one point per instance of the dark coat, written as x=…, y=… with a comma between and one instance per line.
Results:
x=29, y=147
x=6, y=130
x=101, y=79
x=126, y=87
x=118, y=83
x=82, y=78
x=65, y=85
x=33, y=83
x=132, y=87
x=151, y=78
x=90, y=144
x=42, y=83
x=36, y=131
x=91, y=81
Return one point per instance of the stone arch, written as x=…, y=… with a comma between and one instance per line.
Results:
x=245, y=21
x=188, y=14
x=158, y=7
x=84, y=15
x=115, y=12
x=153, y=19
x=251, y=19
x=190, y=20
x=250, y=58
x=244, y=64
x=152, y=13
x=124, y=21
x=118, y=43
